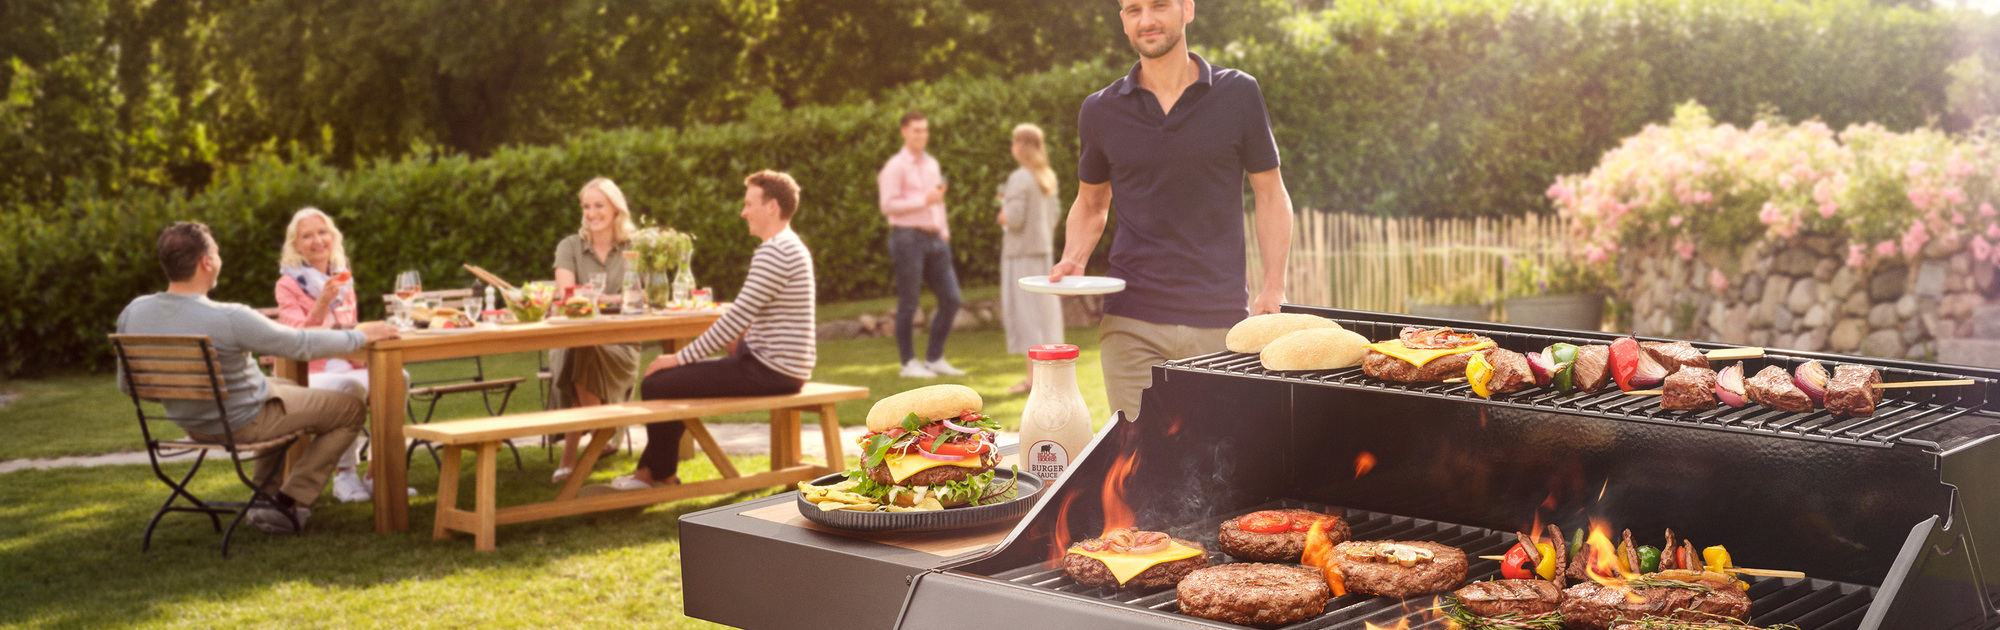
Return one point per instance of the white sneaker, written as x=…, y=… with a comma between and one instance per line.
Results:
x=274, y=522
x=348, y=488
x=917, y=369
x=628, y=482
x=941, y=368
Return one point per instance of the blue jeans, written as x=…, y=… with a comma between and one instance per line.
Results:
x=922, y=258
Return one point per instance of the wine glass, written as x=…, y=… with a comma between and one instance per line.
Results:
x=408, y=285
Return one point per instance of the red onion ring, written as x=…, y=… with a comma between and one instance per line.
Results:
x=938, y=457
x=955, y=427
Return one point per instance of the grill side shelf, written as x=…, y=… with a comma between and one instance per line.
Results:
x=1902, y=416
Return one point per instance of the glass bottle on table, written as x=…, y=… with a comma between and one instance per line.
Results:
x=1055, y=422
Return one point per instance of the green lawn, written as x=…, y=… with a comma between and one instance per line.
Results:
x=85, y=415
x=69, y=548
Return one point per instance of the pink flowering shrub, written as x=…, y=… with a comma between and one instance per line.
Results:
x=1718, y=189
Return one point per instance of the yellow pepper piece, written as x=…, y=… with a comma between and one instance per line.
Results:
x=1547, y=567
x=1479, y=373
x=1716, y=558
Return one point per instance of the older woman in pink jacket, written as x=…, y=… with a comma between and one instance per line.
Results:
x=316, y=290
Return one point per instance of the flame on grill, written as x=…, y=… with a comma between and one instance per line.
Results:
x=1363, y=463
x=1116, y=513
x=1605, y=565
x=1400, y=625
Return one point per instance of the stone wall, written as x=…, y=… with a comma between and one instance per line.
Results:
x=1802, y=296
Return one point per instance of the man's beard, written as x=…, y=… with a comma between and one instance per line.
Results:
x=1169, y=40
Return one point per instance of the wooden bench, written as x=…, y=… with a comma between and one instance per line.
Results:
x=485, y=435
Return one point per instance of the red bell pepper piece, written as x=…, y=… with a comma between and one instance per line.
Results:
x=1624, y=361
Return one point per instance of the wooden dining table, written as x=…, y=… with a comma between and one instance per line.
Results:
x=387, y=389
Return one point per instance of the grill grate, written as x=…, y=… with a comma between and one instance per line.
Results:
x=1902, y=414
x=1808, y=604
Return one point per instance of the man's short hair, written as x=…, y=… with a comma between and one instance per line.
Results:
x=777, y=187
x=181, y=247
x=909, y=117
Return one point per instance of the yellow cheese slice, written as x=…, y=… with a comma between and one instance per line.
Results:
x=1418, y=358
x=902, y=467
x=1124, y=567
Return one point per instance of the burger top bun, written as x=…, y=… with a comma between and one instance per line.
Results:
x=1315, y=349
x=1251, y=335
x=929, y=403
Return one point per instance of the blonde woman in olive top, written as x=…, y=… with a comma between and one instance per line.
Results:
x=593, y=375
x=1028, y=213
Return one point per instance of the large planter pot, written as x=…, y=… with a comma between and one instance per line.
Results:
x=1581, y=311
x=1468, y=312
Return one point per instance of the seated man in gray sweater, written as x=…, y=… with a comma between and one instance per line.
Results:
x=258, y=408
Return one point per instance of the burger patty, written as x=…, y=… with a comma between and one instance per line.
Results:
x=934, y=475
x=1502, y=597
x=1594, y=606
x=1092, y=572
x=1444, y=571
x=1390, y=368
x=1285, y=546
x=1254, y=594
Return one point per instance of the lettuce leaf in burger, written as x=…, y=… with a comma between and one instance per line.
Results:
x=930, y=447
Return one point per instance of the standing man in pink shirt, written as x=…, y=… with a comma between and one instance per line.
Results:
x=920, y=246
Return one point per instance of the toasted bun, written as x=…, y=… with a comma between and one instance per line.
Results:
x=1315, y=349
x=1251, y=335
x=935, y=402
x=444, y=311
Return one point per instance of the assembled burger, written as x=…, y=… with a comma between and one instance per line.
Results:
x=930, y=448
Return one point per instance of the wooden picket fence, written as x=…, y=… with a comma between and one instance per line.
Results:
x=1384, y=264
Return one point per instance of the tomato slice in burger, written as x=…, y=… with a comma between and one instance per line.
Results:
x=1265, y=522
x=953, y=449
x=1303, y=523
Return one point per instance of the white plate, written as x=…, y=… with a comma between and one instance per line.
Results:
x=1073, y=285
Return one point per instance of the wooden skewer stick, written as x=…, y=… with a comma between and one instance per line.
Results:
x=1493, y=557
x=1766, y=572
x=1455, y=380
x=1962, y=381
x=1735, y=354
x=1644, y=392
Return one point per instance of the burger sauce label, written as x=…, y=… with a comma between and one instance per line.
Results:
x=1047, y=459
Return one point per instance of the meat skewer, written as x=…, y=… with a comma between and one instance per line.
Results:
x=1690, y=389
x=1773, y=388
x=1850, y=393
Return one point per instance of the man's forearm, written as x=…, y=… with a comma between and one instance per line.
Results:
x=1274, y=227
x=1081, y=231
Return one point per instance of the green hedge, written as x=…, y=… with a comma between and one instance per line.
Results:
x=1406, y=107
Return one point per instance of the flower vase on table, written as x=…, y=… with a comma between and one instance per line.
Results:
x=684, y=280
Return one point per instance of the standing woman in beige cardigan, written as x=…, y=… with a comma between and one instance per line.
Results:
x=1028, y=211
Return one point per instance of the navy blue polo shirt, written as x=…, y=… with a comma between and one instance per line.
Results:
x=1177, y=188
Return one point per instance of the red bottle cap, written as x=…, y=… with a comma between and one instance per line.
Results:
x=1053, y=351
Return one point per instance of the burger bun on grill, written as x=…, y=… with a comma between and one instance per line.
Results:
x=1315, y=349
x=935, y=402
x=1253, y=334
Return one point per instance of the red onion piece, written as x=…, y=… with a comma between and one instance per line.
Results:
x=955, y=427
x=1811, y=378
x=1729, y=386
x=1650, y=372
x=1543, y=367
x=939, y=457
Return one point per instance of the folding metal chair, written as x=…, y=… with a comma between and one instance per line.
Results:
x=184, y=367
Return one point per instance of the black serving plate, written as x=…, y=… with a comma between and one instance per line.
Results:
x=934, y=521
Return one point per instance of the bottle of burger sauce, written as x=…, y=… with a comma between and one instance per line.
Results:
x=1055, y=423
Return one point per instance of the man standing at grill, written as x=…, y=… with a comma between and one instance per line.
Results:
x=1172, y=142
x=919, y=246
x=258, y=408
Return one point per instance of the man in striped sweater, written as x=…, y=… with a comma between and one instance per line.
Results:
x=768, y=331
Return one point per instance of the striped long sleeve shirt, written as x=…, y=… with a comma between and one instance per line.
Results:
x=775, y=305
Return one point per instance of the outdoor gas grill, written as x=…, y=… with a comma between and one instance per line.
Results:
x=1885, y=515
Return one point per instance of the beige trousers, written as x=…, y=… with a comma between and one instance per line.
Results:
x=331, y=419
x=1129, y=348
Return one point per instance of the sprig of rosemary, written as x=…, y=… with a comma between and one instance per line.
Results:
x=1648, y=582
x=1656, y=623
x=1463, y=618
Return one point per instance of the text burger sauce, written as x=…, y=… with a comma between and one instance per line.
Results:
x=1055, y=422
